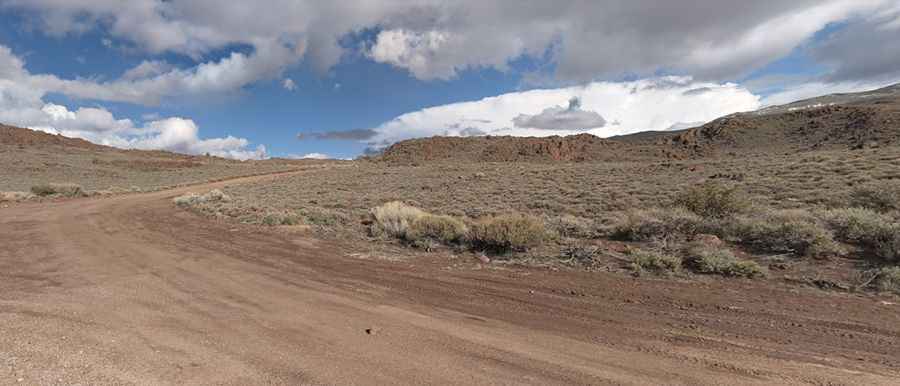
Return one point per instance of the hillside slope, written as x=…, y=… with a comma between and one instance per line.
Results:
x=839, y=121
x=32, y=157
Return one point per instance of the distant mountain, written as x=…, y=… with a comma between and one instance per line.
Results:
x=838, y=121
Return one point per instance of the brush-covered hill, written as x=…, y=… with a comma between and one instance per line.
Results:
x=574, y=148
x=30, y=158
x=838, y=121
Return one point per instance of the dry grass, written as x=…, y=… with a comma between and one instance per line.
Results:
x=62, y=190
x=507, y=233
x=654, y=262
x=710, y=260
x=118, y=170
x=582, y=207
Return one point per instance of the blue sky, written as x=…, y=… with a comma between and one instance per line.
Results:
x=395, y=72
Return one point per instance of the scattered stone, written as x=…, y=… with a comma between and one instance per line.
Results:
x=484, y=258
x=371, y=331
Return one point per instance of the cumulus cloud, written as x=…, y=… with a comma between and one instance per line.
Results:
x=289, y=84
x=649, y=104
x=562, y=118
x=21, y=104
x=310, y=156
x=432, y=39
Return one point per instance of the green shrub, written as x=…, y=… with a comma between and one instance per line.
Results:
x=712, y=200
x=882, y=196
x=511, y=232
x=704, y=259
x=657, y=224
x=889, y=280
x=445, y=229
x=867, y=228
x=783, y=231
x=65, y=190
x=657, y=263
x=394, y=218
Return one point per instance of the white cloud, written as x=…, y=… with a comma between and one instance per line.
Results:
x=310, y=156
x=147, y=69
x=811, y=89
x=23, y=105
x=289, y=84
x=649, y=104
x=433, y=39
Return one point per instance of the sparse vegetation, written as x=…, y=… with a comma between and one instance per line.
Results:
x=713, y=200
x=443, y=229
x=793, y=231
x=881, y=196
x=654, y=262
x=657, y=224
x=506, y=233
x=874, y=231
x=888, y=280
x=62, y=190
x=15, y=196
x=710, y=260
x=571, y=226
x=193, y=199
x=394, y=219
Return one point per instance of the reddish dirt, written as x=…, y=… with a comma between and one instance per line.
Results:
x=131, y=290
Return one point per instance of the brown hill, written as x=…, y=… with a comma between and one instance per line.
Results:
x=838, y=121
x=575, y=148
x=11, y=135
x=836, y=126
x=30, y=158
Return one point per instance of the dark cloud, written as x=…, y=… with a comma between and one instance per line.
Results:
x=340, y=135
x=560, y=118
x=863, y=51
x=472, y=132
x=582, y=40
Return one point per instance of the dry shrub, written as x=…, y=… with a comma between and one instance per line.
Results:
x=444, y=229
x=280, y=218
x=889, y=280
x=511, y=232
x=194, y=199
x=323, y=217
x=571, y=226
x=872, y=230
x=654, y=262
x=713, y=200
x=15, y=196
x=65, y=190
x=657, y=224
x=882, y=196
x=394, y=219
x=704, y=259
x=793, y=231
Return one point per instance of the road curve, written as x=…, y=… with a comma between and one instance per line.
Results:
x=131, y=290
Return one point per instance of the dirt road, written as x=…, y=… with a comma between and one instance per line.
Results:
x=131, y=290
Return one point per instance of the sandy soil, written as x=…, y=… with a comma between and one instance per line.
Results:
x=131, y=290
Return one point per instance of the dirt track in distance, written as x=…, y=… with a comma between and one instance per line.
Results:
x=131, y=290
